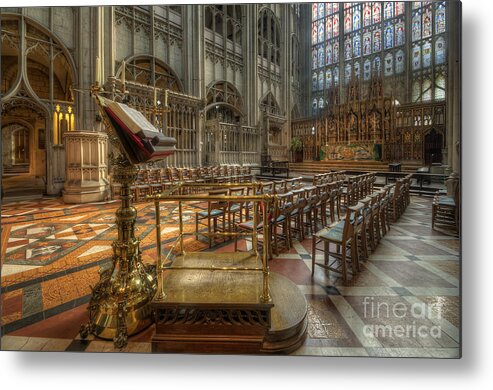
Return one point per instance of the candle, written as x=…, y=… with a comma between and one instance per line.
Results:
x=166, y=98
x=155, y=97
x=98, y=70
x=123, y=75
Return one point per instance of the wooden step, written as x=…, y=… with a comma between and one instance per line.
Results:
x=206, y=311
x=327, y=166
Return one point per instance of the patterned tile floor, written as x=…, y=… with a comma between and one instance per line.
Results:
x=405, y=301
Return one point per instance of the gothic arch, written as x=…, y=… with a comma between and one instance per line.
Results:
x=37, y=42
x=149, y=70
x=269, y=36
x=223, y=102
x=269, y=105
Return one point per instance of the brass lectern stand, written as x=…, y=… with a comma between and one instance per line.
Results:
x=120, y=302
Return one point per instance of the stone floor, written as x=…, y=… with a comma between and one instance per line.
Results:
x=404, y=302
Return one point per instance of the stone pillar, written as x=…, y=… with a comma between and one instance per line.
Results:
x=86, y=167
x=454, y=97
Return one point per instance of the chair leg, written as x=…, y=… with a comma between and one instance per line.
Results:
x=314, y=249
x=343, y=262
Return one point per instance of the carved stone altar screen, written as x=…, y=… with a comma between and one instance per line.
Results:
x=374, y=127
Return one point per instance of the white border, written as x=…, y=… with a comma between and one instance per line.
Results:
x=20, y=370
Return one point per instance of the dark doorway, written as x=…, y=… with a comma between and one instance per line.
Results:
x=433, y=147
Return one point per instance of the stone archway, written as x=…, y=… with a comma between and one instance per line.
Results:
x=38, y=75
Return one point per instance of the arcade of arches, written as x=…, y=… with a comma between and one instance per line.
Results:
x=358, y=86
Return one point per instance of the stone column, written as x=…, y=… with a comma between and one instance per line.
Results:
x=86, y=167
x=454, y=97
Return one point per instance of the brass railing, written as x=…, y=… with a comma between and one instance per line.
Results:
x=266, y=202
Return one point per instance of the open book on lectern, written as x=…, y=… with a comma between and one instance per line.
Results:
x=142, y=141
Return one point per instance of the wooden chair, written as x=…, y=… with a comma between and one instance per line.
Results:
x=281, y=222
x=235, y=209
x=299, y=204
x=216, y=211
x=251, y=225
x=445, y=210
x=141, y=186
x=342, y=237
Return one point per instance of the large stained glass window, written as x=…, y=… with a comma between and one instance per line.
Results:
x=325, y=52
x=428, y=50
x=403, y=42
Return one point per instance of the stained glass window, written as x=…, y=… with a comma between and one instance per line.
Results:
x=328, y=78
x=335, y=25
x=357, y=70
x=440, y=18
x=314, y=33
x=321, y=7
x=356, y=19
x=377, y=41
x=328, y=55
x=347, y=49
x=427, y=22
x=416, y=27
x=426, y=90
x=366, y=14
x=377, y=8
x=328, y=28
x=389, y=64
x=389, y=36
x=416, y=91
x=321, y=57
x=416, y=56
x=399, y=8
x=320, y=103
x=440, y=51
x=347, y=21
x=440, y=87
x=400, y=62
x=347, y=73
x=321, y=80
x=367, y=70
x=427, y=54
x=371, y=39
x=321, y=31
x=388, y=11
x=429, y=49
x=399, y=33
x=367, y=43
x=357, y=45
x=377, y=65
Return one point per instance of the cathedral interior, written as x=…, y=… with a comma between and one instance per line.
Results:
x=310, y=204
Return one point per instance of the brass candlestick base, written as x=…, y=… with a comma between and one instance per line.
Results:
x=120, y=303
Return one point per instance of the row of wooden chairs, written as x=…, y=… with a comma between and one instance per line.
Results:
x=351, y=239
x=329, y=177
x=156, y=180
x=296, y=212
x=357, y=187
x=400, y=197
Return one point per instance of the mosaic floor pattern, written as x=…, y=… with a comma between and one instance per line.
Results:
x=405, y=301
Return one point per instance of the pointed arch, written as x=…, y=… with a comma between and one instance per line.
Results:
x=149, y=70
x=269, y=105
